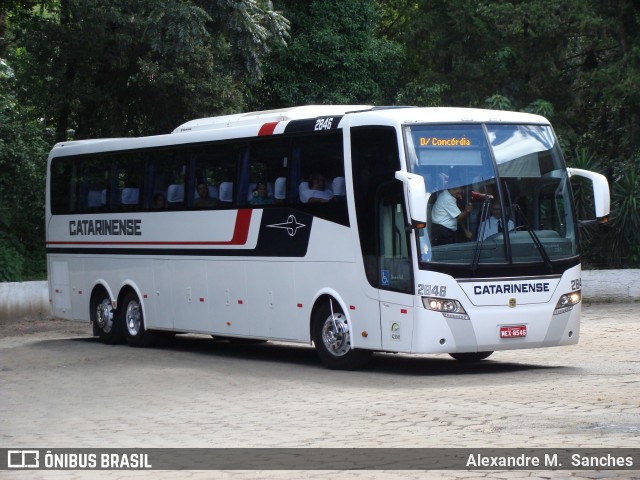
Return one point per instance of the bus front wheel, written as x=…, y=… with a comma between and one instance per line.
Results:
x=133, y=322
x=470, y=357
x=332, y=340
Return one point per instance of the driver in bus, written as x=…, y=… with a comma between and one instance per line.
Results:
x=493, y=224
x=446, y=217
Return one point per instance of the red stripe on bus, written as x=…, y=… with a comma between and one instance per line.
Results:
x=267, y=128
x=240, y=235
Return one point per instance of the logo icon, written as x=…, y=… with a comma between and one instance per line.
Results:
x=512, y=302
x=291, y=225
x=395, y=331
x=23, y=458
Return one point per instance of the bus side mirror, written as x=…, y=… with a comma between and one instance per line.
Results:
x=415, y=193
x=600, y=191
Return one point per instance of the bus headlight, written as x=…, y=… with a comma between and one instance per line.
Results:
x=448, y=307
x=567, y=301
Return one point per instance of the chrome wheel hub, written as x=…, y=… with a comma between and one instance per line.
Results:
x=104, y=316
x=133, y=318
x=335, y=335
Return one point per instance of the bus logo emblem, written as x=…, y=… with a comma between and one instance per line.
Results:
x=291, y=225
x=512, y=302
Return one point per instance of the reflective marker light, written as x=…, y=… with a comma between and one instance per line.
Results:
x=449, y=308
x=567, y=301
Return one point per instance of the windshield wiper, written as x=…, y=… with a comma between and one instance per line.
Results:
x=484, y=214
x=534, y=237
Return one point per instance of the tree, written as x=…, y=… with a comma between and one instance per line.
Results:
x=334, y=56
x=23, y=152
x=113, y=68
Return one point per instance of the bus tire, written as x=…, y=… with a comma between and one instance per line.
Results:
x=133, y=323
x=470, y=357
x=103, y=317
x=332, y=340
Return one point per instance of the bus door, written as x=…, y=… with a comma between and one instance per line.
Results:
x=395, y=271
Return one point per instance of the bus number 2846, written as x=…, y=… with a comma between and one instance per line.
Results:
x=323, y=124
x=434, y=290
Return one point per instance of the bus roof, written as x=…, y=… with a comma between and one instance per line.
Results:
x=400, y=114
x=264, y=116
x=249, y=124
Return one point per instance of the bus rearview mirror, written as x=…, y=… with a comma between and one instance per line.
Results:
x=415, y=193
x=600, y=190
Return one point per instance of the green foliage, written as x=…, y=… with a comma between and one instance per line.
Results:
x=115, y=68
x=422, y=95
x=625, y=213
x=11, y=262
x=498, y=102
x=11, y=255
x=540, y=107
x=334, y=56
x=23, y=152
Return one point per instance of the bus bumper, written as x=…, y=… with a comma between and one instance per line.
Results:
x=495, y=328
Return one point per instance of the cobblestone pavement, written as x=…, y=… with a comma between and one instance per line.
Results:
x=60, y=388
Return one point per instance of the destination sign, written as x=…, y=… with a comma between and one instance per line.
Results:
x=445, y=142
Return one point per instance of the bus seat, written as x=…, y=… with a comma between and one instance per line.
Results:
x=280, y=188
x=303, y=190
x=226, y=192
x=97, y=198
x=175, y=194
x=130, y=196
x=252, y=187
x=338, y=186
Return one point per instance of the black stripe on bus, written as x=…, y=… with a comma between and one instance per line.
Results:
x=282, y=234
x=320, y=124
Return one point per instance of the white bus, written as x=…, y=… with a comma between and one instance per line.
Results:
x=317, y=224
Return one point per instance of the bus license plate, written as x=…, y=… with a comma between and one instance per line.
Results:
x=513, y=331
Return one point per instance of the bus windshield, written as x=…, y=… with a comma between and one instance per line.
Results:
x=496, y=194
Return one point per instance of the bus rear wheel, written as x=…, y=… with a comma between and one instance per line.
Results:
x=332, y=340
x=470, y=357
x=105, y=325
x=133, y=321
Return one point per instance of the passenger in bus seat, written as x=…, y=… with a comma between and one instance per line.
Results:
x=204, y=200
x=446, y=217
x=159, y=202
x=316, y=191
x=260, y=195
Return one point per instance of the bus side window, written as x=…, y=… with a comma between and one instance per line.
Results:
x=130, y=176
x=94, y=183
x=63, y=186
x=318, y=165
x=267, y=161
x=168, y=175
x=213, y=176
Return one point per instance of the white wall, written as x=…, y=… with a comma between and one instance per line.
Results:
x=608, y=285
x=24, y=299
